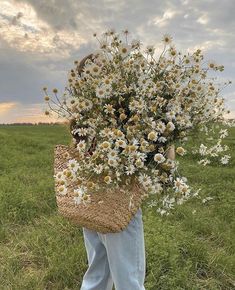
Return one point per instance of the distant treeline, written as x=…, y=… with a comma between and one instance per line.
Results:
x=32, y=124
x=54, y=123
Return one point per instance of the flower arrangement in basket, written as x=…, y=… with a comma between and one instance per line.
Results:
x=126, y=110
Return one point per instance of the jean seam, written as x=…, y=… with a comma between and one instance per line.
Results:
x=136, y=243
x=137, y=249
x=138, y=227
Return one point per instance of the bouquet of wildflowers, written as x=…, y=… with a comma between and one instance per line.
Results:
x=135, y=107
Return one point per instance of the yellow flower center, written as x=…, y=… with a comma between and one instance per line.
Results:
x=107, y=178
x=151, y=135
x=105, y=144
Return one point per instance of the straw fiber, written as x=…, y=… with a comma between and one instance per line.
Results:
x=108, y=211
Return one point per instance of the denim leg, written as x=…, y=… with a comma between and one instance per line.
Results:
x=97, y=276
x=126, y=255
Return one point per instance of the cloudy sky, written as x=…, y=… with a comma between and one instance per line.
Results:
x=40, y=39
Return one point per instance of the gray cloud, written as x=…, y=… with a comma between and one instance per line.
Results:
x=22, y=76
x=206, y=24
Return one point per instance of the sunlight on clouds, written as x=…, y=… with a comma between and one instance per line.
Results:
x=14, y=112
x=22, y=29
x=6, y=107
x=207, y=45
x=204, y=19
x=184, y=2
x=163, y=20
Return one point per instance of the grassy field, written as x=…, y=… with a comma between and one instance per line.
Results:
x=193, y=249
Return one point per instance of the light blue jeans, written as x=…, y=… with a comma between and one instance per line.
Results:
x=117, y=258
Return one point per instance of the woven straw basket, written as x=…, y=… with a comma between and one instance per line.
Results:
x=108, y=212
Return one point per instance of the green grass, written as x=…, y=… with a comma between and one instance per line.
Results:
x=40, y=250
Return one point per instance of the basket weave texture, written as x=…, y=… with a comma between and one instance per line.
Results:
x=108, y=211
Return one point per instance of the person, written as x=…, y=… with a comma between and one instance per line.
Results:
x=114, y=259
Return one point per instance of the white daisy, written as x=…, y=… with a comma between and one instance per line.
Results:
x=113, y=154
x=69, y=174
x=150, y=49
x=80, y=131
x=206, y=199
x=162, y=139
x=204, y=162
x=203, y=149
x=161, y=126
x=124, y=49
x=144, y=179
x=180, y=150
x=143, y=81
x=223, y=133
x=159, y=158
x=112, y=162
x=80, y=190
x=105, y=146
x=71, y=102
x=107, y=179
x=120, y=143
x=95, y=69
x=86, y=198
x=161, y=211
x=170, y=126
x=152, y=135
x=152, y=203
x=108, y=90
x=225, y=159
x=108, y=109
x=59, y=176
x=98, y=168
x=106, y=132
x=77, y=199
x=130, y=169
x=81, y=146
x=100, y=91
x=167, y=38
x=61, y=190
x=139, y=163
x=73, y=165
x=178, y=184
x=170, y=115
